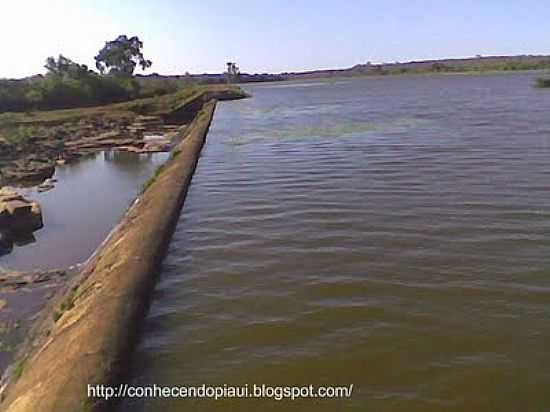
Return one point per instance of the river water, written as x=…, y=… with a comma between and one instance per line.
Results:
x=390, y=233
x=90, y=197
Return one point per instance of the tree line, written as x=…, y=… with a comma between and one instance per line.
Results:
x=68, y=83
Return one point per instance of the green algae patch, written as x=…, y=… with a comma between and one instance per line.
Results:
x=328, y=131
x=66, y=305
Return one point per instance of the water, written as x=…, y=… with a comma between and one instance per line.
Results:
x=390, y=233
x=89, y=199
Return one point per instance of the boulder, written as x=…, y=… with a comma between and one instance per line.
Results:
x=46, y=185
x=11, y=280
x=24, y=170
x=18, y=214
x=6, y=242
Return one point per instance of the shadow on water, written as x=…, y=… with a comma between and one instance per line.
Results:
x=9, y=239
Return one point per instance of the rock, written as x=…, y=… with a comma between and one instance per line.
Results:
x=23, y=239
x=46, y=185
x=18, y=208
x=7, y=193
x=11, y=281
x=18, y=214
x=6, y=242
x=25, y=170
x=102, y=144
x=160, y=146
x=145, y=123
x=68, y=156
x=44, y=188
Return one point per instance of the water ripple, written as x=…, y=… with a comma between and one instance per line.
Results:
x=391, y=233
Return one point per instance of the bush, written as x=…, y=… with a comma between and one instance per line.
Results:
x=543, y=83
x=156, y=86
x=59, y=91
x=69, y=84
x=56, y=91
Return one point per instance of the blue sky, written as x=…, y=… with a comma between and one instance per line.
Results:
x=270, y=36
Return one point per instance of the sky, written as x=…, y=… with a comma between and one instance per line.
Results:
x=199, y=36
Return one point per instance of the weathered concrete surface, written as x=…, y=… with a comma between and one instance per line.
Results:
x=97, y=318
x=185, y=112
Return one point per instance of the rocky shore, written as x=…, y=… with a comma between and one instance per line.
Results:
x=31, y=150
x=12, y=281
x=36, y=159
x=23, y=295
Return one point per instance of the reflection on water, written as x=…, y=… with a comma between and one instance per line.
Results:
x=410, y=259
x=8, y=240
x=90, y=197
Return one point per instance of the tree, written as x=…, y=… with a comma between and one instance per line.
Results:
x=121, y=56
x=438, y=67
x=233, y=72
x=64, y=66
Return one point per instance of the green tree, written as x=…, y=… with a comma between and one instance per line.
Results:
x=64, y=66
x=233, y=72
x=121, y=56
x=438, y=67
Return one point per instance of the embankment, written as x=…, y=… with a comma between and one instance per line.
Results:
x=88, y=338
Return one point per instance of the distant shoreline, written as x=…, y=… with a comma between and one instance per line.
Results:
x=400, y=75
x=473, y=65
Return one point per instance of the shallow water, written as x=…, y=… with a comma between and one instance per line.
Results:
x=89, y=199
x=390, y=233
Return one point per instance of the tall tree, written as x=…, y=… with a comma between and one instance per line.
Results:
x=65, y=66
x=233, y=72
x=121, y=56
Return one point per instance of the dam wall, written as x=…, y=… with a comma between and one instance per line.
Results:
x=91, y=332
